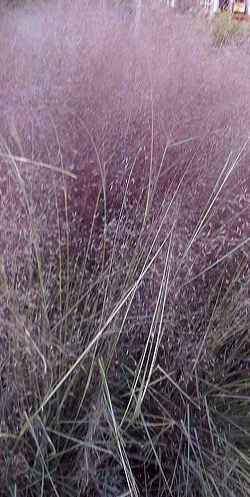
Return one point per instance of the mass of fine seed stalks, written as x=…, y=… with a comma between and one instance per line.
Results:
x=124, y=255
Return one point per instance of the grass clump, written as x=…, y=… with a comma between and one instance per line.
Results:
x=108, y=386
x=124, y=271
x=225, y=29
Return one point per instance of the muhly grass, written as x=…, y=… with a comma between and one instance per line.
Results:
x=124, y=277
x=114, y=377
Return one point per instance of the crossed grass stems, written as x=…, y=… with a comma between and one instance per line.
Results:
x=104, y=413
